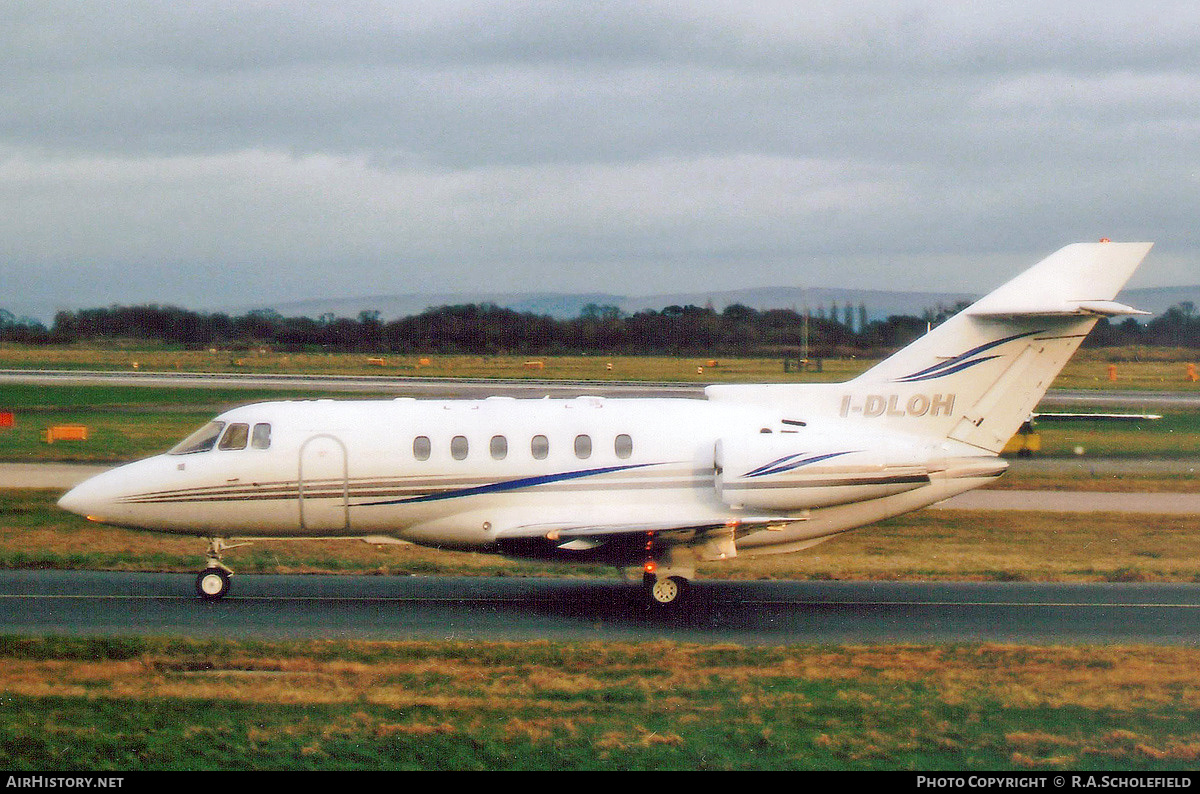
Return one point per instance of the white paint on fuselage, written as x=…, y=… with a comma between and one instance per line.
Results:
x=381, y=488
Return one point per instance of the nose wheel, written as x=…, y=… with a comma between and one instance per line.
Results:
x=212, y=584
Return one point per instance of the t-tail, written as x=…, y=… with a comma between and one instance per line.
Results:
x=978, y=376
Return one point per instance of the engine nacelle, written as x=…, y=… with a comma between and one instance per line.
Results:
x=786, y=472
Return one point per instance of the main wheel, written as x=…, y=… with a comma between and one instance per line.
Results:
x=212, y=584
x=666, y=590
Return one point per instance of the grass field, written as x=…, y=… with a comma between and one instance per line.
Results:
x=118, y=704
x=126, y=423
x=1176, y=435
x=1136, y=368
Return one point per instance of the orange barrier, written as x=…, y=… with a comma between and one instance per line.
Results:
x=66, y=433
x=1191, y=370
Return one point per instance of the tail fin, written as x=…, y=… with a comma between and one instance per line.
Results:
x=978, y=376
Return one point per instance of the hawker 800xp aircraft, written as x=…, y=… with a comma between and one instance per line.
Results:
x=655, y=485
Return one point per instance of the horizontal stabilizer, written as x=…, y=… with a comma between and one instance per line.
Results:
x=1063, y=417
x=1100, y=308
x=1080, y=279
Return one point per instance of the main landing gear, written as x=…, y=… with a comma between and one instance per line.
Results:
x=664, y=591
x=212, y=584
x=665, y=586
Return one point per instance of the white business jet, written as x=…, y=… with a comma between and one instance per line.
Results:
x=651, y=485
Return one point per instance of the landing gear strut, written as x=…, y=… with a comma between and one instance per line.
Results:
x=213, y=583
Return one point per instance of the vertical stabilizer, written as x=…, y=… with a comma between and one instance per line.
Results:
x=978, y=376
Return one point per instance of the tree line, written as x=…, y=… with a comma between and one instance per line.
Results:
x=489, y=329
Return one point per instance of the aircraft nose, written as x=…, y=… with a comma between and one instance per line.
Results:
x=82, y=500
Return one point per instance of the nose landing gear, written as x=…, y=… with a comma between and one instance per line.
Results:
x=212, y=584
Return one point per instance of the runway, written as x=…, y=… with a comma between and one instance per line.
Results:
x=498, y=609
x=398, y=385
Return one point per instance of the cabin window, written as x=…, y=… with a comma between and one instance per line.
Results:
x=539, y=446
x=583, y=447
x=499, y=447
x=201, y=441
x=261, y=438
x=623, y=446
x=458, y=447
x=236, y=436
x=421, y=447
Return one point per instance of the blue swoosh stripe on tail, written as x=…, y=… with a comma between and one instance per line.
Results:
x=950, y=366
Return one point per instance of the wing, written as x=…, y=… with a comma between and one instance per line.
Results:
x=601, y=530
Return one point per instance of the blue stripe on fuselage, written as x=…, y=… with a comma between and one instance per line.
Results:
x=508, y=485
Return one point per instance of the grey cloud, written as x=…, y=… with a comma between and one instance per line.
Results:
x=591, y=144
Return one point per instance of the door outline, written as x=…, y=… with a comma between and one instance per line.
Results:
x=321, y=518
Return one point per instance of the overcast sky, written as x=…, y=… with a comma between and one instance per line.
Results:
x=248, y=153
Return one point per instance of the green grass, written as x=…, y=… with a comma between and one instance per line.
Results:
x=100, y=704
x=126, y=423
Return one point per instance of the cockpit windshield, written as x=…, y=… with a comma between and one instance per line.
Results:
x=201, y=441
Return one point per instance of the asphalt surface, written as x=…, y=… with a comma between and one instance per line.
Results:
x=433, y=388
x=438, y=608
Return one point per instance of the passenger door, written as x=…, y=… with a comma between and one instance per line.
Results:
x=324, y=485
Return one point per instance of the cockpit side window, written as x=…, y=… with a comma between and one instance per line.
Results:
x=201, y=441
x=235, y=436
x=261, y=439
